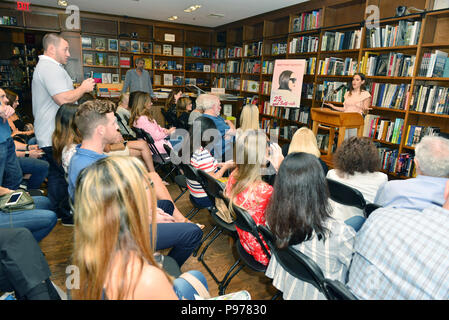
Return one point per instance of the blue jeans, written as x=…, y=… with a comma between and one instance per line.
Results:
x=10, y=172
x=184, y=290
x=40, y=220
x=355, y=222
x=57, y=185
x=37, y=168
x=183, y=238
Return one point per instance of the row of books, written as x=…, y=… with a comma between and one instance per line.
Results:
x=251, y=66
x=405, y=33
x=337, y=66
x=267, y=66
x=400, y=164
x=307, y=90
x=322, y=140
x=323, y=91
x=103, y=77
x=383, y=129
x=334, y=41
x=430, y=99
x=219, y=82
x=393, y=64
x=197, y=52
x=168, y=50
x=250, y=86
x=100, y=59
x=234, y=52
x=103, y=44
x=266, y=87
x=301, y=114
x=218, y=53
x=218, y=67
x=303, y=44
x=307, y=21
x=167, y=65
x=233, y=66
x=389, y=95
x=168, y=79
x=416, y=133
x=198, y=66
x=310, y=66
x=434, y=64
x=233, y=83
x=252, y=49
x=278, y=48
x=108, y=92
x=287, y=132
x=197, y=81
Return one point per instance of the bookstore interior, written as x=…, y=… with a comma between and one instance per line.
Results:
x=403, y=54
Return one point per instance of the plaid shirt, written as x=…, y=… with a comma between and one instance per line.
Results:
x=402, y=254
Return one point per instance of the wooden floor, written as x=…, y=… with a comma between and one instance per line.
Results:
x=58, y=246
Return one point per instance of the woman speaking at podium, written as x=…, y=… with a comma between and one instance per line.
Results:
x=357, y=99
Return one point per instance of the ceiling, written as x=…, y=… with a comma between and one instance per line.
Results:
x=233, y=10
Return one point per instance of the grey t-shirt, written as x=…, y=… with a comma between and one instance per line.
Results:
x=49, y=79
x=134, y=82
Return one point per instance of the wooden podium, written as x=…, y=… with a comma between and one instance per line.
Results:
x=335, y=119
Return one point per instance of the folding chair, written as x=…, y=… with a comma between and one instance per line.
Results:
x=245, y=222
x=180, y=178
x=337, y=290
x=370, y=207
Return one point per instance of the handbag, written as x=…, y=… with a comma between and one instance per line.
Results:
x=25, y=202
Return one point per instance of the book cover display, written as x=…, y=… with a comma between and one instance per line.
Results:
x=100, y=44
x=287, y=82
x=112, y=44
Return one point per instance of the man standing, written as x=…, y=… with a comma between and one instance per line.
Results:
x=138, y=79
x=52, y=87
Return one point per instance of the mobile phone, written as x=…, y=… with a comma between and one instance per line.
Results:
x=14, y=198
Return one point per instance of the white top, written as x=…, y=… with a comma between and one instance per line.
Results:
x=367, y=183
x=49, y=79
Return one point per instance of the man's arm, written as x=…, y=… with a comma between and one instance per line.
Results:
x=127, y=82
x=72, y=96
x=150, y=87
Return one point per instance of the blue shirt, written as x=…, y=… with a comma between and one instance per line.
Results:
x=5, y=130
x=223, y=128
x=416, y=193
x=138, y=83
x=402, y=254
x=80, y=160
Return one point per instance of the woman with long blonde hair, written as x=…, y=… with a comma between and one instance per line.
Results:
x=249, y=117
x=115, y=202
x=246, y=188
x=304, y=140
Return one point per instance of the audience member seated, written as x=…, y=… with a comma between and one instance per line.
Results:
x=202, y=159
x=401, y=253
x=183, y=109
x=21, y=131
x=246, y=189
x=431, y=163
x=114, y=249
x=299, y=215
x=211, y=106
x=39, y=221
x=356, y=165
x=23, y=268
x=170, y=107
x=124, y=111
x=304, y=140
x=97, y=124
x=196, y=113
x=34, y=170
x=141, y=118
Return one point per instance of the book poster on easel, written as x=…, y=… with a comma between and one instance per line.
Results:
x=287, y=83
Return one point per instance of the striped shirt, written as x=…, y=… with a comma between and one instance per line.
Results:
x=402, y=254
x=333, y=256
x=201, y=160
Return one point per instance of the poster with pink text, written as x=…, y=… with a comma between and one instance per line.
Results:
x=287, y=83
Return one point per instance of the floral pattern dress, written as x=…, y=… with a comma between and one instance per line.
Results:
x=254, y=200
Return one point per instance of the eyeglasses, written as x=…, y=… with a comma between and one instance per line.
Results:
x=293, y=80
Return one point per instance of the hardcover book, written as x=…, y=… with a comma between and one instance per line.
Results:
x=166, y=49
x=147, y=47
x=115, y=78
x=100, y=44
x=86, y=42
x=112, y=60
x=88, y=58
x=100, y=59
x=157, y=49
x=125, y=45
x=135, y=46
x=112, y=44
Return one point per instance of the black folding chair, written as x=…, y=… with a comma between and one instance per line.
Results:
x=370, y=207
x=245, y=222
x=180, y=178
x=337, y=290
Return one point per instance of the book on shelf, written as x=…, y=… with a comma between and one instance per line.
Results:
x=157, y=80
x=167, y=49
x=88, y=58
x=335, y=41
x=112, y=44
x=148, y=63
x=135, y=46
x=433, y=64
x=125, y=62
x=252, y=49
x=250, y=86
x=168, y=79
x=147, y=47
x=393, y=64
x=337, y=66
x=97, y=76
x=278, y=48
x=440, y=4
x=115, y=78
x=190, y=81
x=415, y=133
x=430, y=99
x=106, y=77
x=157, y=49
x=235, y=52
x=112, y=60
x=267, y=66
x=100, y=59
x=233, y=66
x=125, y=45
x=251, y=66
x=389, y=95
x=405, y=33
x=303, y=44
x=177, y=51
x=178, y=80
x=206, y=68
x=86, y=42
x=218, y=53
x=100, y=43
x=307, y=21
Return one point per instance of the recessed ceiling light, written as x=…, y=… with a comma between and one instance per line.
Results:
x=217, y=15
x=192, y=8
x=62, y=3
x=173, y=18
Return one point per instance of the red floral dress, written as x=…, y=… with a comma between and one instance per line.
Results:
x=254, y=203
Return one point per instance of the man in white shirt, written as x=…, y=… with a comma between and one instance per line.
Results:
x=52, y=87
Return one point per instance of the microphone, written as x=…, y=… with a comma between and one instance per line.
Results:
x=339, y=88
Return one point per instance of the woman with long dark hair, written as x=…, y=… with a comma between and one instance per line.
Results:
x=299, y=215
